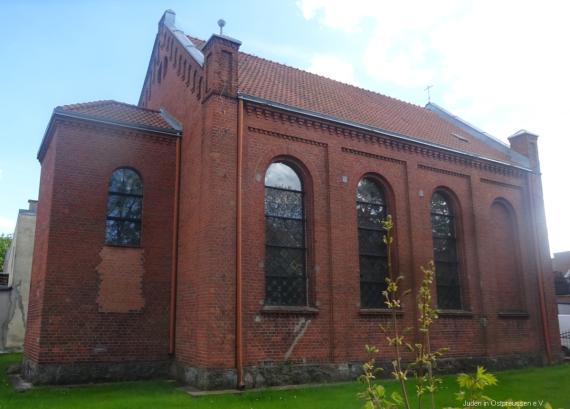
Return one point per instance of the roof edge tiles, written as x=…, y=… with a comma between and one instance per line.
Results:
x=376, y=130
x=168, y=20
x=133, y=115
x=108, y=112
x=479, y=134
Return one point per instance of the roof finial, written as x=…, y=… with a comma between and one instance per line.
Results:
x=427, y=89
x=221, y=24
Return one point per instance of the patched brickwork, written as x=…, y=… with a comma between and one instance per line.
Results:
x=121, y=274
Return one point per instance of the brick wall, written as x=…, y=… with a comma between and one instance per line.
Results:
x=75, y=314
x=340, y=329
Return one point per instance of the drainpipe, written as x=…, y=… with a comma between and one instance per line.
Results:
x=174, y=271
x=537, y=255
x=239, y=290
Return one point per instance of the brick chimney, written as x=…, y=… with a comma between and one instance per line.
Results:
x=221, y=65
x=524, y=143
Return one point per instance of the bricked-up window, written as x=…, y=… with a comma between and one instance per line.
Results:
x=445, y=252
x=371, y=210
x=285, y=251
x=124, y=208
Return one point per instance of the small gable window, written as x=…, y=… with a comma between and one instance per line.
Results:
x=124, y=208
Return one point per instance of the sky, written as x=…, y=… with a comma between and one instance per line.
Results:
x=500, y=65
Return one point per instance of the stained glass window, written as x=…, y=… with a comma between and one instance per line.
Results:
x=445, y=253
x=124, y=208
x=285, y=251
x=371, y=210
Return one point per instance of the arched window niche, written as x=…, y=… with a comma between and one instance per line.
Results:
x=285, y=236
x=506, y=256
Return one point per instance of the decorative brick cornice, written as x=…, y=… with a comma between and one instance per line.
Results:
x=442, y=171
x=168, y=55
x=286, y=137
x=502, y=184
x=373, y=156
x=118, y=131
x=386, y=141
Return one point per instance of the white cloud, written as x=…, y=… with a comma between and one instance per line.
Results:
x=335, y=13
x=501, y=65
x=7, y=225
x=332, y=67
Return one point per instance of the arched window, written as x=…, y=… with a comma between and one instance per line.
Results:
x=371, y=210
x=124, y=208
x=285, y=251
x=445, y=252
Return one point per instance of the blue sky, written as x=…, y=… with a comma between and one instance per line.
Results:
x=500, y=65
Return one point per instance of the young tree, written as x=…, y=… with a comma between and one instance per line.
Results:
x=5, y=241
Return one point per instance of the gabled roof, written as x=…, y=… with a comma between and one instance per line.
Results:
x=479, y=134
x=295, y=88
x=120, y=113
x=115, y=113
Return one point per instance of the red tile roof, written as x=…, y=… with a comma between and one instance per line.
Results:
x=296, y=88
x=121, y=113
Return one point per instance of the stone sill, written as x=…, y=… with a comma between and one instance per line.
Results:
x=513, y=314
x=286, y=309
x=455, y=313
x=123, y=246
x=379, y=312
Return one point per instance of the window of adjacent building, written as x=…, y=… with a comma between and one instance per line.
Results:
x=285, y=249
x=445, y=252
x=371, y=210
x=124, y=208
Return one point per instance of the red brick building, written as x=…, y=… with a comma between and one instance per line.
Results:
x=227, y=228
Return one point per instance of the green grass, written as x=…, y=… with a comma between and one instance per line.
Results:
x=532, y=384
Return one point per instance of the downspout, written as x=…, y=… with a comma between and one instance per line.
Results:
x=174, y=271
x=239, y=290
x=538, y=258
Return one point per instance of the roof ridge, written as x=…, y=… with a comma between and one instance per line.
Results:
x=317, y=93
x=102, y=102
x=86, y=104
x=377, y=93
x=337, y=81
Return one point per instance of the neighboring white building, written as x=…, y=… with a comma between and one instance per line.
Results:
x=14, y=290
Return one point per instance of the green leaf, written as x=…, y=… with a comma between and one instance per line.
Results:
x=380, y=391
x=397, y=398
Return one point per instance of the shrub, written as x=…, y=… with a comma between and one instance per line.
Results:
x=5, y=241
x=471, y=387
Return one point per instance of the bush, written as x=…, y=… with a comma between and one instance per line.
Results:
x=5, y=241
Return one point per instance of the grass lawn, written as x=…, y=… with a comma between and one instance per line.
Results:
x=533, y=384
